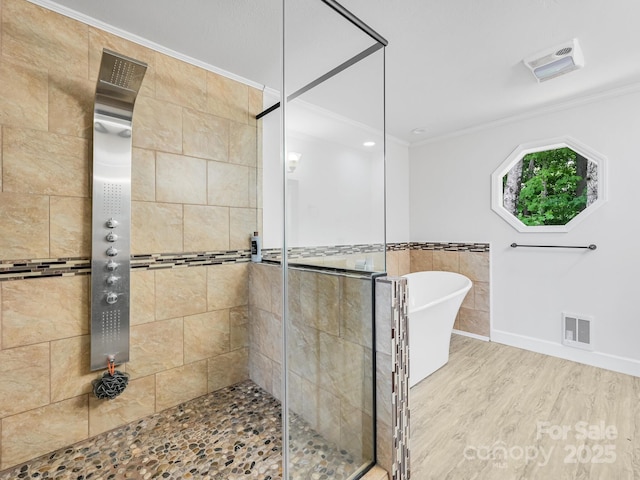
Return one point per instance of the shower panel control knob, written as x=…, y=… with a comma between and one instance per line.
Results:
x=112, y=252
x=111, y=279
x=112, y=298
x=112, y=223
x=112, y=266
x=112, y=237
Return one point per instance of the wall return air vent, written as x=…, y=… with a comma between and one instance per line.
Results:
x=576, y=330
x=556, y=61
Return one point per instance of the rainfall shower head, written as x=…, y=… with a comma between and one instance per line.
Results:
x=119, y=81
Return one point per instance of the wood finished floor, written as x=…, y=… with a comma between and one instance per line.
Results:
x=492, y=406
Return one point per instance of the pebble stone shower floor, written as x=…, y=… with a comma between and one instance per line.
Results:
x=231, y=434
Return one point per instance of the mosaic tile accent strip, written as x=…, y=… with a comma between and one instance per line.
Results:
x=231, y=434
x=400, y=385
x=450, y=247
x=64, y=267
x=275, y=254
x=38, y=268
x=398, y=247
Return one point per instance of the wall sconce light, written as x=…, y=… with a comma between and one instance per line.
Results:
x=556, y=61
x=293, y=158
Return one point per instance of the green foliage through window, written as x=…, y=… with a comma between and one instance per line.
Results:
x=548, y=187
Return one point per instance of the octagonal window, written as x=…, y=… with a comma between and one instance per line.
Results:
x=548, y=186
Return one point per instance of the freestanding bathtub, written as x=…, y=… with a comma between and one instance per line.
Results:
x=434, y=300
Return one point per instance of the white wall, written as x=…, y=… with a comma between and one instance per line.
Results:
x=336, y=195
x=451, y=202
x=397, y=175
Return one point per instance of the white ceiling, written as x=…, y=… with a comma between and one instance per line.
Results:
x=450, y=65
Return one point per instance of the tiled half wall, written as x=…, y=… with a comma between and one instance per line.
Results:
x=195, y=173
x=330, y=350
x=470, y=259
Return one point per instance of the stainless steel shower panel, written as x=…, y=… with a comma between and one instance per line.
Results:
x=118, y=84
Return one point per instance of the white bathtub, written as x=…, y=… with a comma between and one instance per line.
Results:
x=434, y=301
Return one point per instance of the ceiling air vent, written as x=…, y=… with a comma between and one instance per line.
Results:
x=556, y=61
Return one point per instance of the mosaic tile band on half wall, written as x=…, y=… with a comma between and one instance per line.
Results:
x=21, y=269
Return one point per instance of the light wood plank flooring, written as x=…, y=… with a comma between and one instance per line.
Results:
x=498, y=412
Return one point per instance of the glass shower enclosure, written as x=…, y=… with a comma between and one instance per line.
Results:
x=324, y=225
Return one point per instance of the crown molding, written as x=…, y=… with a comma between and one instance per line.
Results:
x=548, y=109
x=93, y=22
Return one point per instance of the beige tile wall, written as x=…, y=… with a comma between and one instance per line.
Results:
x=473, y=316
x=330, y=378
x=194, y=175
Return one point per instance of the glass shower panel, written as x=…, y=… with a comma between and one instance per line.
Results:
x=332, y=181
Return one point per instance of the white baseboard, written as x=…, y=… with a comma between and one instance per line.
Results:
x=607, y=361
x=472, y=335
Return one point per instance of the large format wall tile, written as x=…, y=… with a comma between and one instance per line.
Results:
x=25, y=226
x=44, y=39
x=303, y=349
x=227, y=369
x=45, y=163
x=156, y=227
x=227, y=286
x=267, y=334
x=152, y=128
x=137, y=401
x=228, y=185
x=261, y=370
x=206, y=228
x=181, y=83
x=205, y=136
x=156, y=347
x=23, y=96
x=260, y=286
x=24, y=378
x=70, y=227
x=227, y=98
x=356, y=311
x=180, y=291
x=238, y=328
x=143, y=175
x=45, y=309
x=328, y=414
x=242, y=223
x=341, y=363
x=71, y=105
x=143, y=296
x=206, y=335
x=255, y=105
x=36, y=432
x=242, y=144
x=181, y=179
x=320, y=302
x=482, y=298
x=421, y=260
x=181, y=384
x=474, y=321
x=475, y=266
x=446, y=261
x=71, y=374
